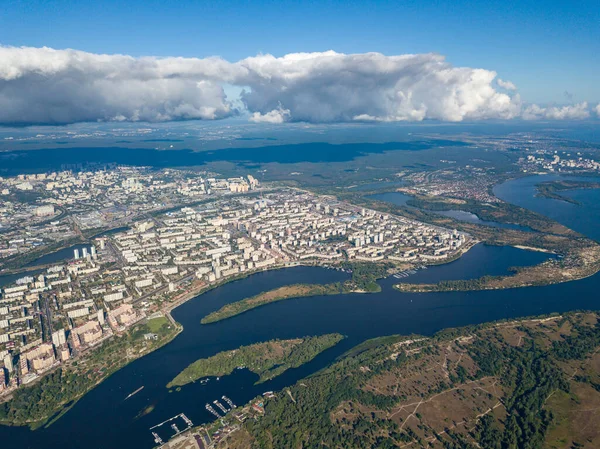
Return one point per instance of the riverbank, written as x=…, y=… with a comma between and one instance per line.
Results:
x=552, y=189
x=579, y=255
x=59, y=389
x=364, y=277
x=554, y=271
x=508, y=381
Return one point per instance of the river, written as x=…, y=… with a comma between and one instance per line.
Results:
x=583, y=217
x=103, y=419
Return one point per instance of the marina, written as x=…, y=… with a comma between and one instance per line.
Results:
x=229, y=402
x=212, y=410
x=218, y=404
x=172, y=423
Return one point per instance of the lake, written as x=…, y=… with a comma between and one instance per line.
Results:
x=401, y=199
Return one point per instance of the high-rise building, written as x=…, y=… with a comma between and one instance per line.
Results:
x=8, y=362
x=85, y=252
x=93, y=252
x=101, y=317
x=76, y=254
x=59, y=338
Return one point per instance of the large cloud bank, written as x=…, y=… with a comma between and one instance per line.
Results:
x=47, y=86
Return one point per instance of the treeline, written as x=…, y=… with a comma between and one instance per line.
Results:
x=549, y=189
x=580, y=344
x=528, y=374
x=531, y=376
x=279, y=294
x=36, y=403
x=365, y=275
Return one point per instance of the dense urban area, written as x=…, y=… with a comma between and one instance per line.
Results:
x=124, y=277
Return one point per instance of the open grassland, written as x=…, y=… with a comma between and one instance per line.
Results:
x=531, y=384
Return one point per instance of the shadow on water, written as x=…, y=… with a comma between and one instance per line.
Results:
x=17, y=162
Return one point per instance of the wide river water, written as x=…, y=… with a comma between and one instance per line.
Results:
x=104, y=419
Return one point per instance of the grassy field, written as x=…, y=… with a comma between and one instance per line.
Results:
x=156, y=324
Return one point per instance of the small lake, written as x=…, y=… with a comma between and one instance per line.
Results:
x=401, y=199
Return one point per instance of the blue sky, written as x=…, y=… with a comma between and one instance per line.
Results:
x=546, y=48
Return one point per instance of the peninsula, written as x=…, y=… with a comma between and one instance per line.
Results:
x=364, y=276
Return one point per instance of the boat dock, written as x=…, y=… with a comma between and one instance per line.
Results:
x=135, y=392
x=218, y=404
x=229, y=402
x=212, y=410
x=407, y=273
x=155, y=429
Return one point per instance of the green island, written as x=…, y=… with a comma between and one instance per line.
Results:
x=268, y=359
x=52, y=395
x=364, y=276
x=525, y=384
x=552, y=189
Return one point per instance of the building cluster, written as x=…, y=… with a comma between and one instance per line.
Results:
x=300, y=226
x=468, y=183
x=123, y=277
x=109, y=196
x=554, y=163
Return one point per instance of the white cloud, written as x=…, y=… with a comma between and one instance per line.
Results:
x=330, y=87
x=278, y=115
x=598, y=110
x=508, y=85
x=572, y=112
x=43, y=85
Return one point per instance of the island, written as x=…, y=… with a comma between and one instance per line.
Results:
x=527, y=383
x=363, y=280
x=553, y=189
x=268, y=359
